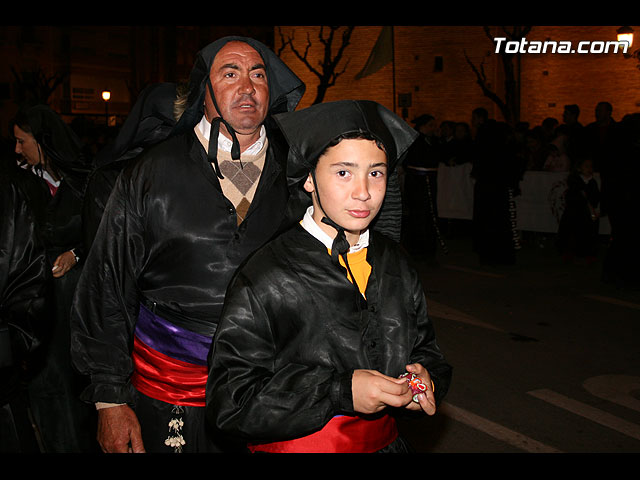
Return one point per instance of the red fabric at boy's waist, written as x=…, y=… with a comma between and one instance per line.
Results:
x=342, y=434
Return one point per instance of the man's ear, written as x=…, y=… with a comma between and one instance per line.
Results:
x=308, y=184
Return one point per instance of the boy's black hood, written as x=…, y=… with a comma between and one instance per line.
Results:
x=309, y=131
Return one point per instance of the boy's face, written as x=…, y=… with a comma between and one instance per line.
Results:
x=352, y=181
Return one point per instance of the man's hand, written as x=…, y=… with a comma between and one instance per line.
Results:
x=372, y=391
x=65, y=262
x=119, y=430
x=427, y=399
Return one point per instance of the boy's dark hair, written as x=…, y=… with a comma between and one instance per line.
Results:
x=352, y=136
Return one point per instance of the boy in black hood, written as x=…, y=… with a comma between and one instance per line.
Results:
x=320, y=324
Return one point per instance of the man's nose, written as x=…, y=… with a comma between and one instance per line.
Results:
x=246, y=86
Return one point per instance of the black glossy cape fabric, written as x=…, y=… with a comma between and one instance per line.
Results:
x=292, y=333
x=24, y=286
x=150, y=121
x=168, y=236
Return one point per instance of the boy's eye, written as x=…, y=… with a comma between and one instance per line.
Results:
x=342, y=173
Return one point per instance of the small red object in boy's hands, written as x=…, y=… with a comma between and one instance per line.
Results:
x=415, y=384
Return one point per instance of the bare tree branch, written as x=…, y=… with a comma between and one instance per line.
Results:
x=284, y=42
x=510, y=105
x=481, y=79
x=36, y=86
x=327, y=67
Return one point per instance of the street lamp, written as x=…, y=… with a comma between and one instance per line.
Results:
x=625, y=34
x=106, y=96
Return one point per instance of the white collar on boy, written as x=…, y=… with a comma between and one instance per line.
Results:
x=310, y=225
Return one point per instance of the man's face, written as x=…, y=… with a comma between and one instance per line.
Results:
x=239, y=81
x=352, y=181
x=26, y=146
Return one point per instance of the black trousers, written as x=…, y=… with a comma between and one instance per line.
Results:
x=168, y=428
x=66, y=423
x=17, y=434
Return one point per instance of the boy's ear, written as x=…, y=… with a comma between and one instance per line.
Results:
x=308, y=184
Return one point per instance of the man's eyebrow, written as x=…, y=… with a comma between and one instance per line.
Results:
x=234, y=66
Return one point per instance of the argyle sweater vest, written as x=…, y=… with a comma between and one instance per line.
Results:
x=240, y=176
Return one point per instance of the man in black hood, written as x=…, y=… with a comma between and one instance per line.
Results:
x=180, y=220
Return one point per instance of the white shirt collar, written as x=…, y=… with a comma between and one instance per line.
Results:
x=225, y=143
x=45, y=175
x=49, y=178
x=310, y=225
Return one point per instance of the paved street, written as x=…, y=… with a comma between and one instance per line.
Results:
x=546, y=357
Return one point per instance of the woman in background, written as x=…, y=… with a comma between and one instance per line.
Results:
x=54, y=153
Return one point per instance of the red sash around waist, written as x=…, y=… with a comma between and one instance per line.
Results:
x=342, y=434
x=167, y=379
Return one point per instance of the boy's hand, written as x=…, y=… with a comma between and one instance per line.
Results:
x=372, y=391
x=427, y=400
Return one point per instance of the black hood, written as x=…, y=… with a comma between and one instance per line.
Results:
x=150, y=120
x=285, y=91
x=285, y=88
x=59, y=143
x=311, y=130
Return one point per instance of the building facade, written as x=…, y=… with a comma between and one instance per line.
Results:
x=428, y=73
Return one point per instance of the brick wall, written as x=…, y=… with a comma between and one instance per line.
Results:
x=549, y=81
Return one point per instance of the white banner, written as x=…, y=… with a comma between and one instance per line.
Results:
x=539, y=205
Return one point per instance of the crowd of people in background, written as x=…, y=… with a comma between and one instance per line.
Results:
x=601, y=161
x=597, y=156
